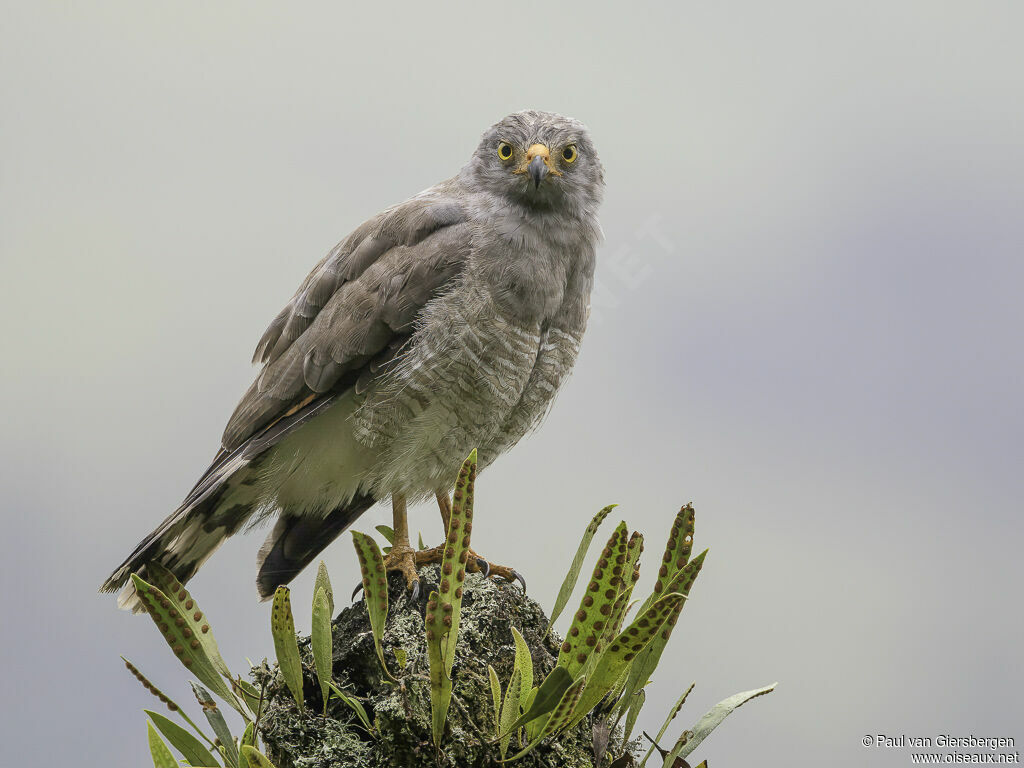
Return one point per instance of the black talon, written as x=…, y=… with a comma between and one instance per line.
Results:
x=357, y=590
x=416, y=590
x=520, y=579
x=484, y=566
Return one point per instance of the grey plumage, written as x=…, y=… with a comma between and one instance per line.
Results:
x=445, y=323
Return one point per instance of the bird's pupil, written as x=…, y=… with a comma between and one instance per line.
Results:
x=568, y=153
x=506, y=151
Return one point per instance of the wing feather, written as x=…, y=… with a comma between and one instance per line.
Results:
x=365, y=294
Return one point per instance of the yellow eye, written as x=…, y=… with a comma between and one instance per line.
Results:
x=504, y=150
x=569, y=154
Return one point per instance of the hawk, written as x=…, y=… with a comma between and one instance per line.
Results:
x=443, y=324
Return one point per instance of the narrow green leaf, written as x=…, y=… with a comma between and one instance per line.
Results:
x=639, y=699
x=248, y=736
x=185, y=642
x=524, y=663
x=171, y=705
x=510, y=709
x=282, y=625
x=220, y=727
x=190, y=747
x=387, y=532
x=585, y=639
x=247, y=692
x=356, y=706
x=677, y=553
x=622, y=650
x=323, y=581
x=495, y=697
x=375, y=589
x=645, y=664
x=692, y=738
x=444, y=605
x=548, y=695
x=255, y=758
x=569, y=583
x=421, y=546
x=167, y=583
x=321, y=642
x=533, y=727
x=560, y=717
x=162, y=757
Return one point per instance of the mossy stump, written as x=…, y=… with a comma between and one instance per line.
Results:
x=400, y=711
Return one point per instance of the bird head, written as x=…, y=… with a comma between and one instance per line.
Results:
x=539, y=160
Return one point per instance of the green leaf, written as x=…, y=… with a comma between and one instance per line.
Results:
x=387, y=532
x=171, y=705
x=167, y=583
x=677, y=553
x=495, y=697
x=187, y=644
x=690, y=739
x=421, y=546
x=523, y=663
x=355, y=705
x=323, y=581
x=255, y=758
x=282, y=626
x=569, y=583
x=444, y=605
x=547, y=697
x=622, y=650
x=190, y=747
x=247, y=692
x=639, y=698
x=510, y=709
x=560, y=716
x=162, y=757
x=220, y=727
x=248, y=736
x=645, y=664
x=585, y=639
x=321, y=642
x=375, y=589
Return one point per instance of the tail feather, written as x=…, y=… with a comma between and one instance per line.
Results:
x=296, y=540
x=184, y=541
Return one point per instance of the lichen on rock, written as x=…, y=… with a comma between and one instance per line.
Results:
x=400, y=712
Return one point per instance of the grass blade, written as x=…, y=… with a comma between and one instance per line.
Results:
x=286, y=645
x=444, y=606
x=569, y=583
x=356, y=706
x=375, y=589
x=692, y=738
x=668, y=720
x=321, y=642
x=190, y=747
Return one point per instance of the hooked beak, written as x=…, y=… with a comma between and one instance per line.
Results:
x=538, y=163
x=538, y=170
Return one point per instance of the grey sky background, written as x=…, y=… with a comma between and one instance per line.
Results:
x=808, y=322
